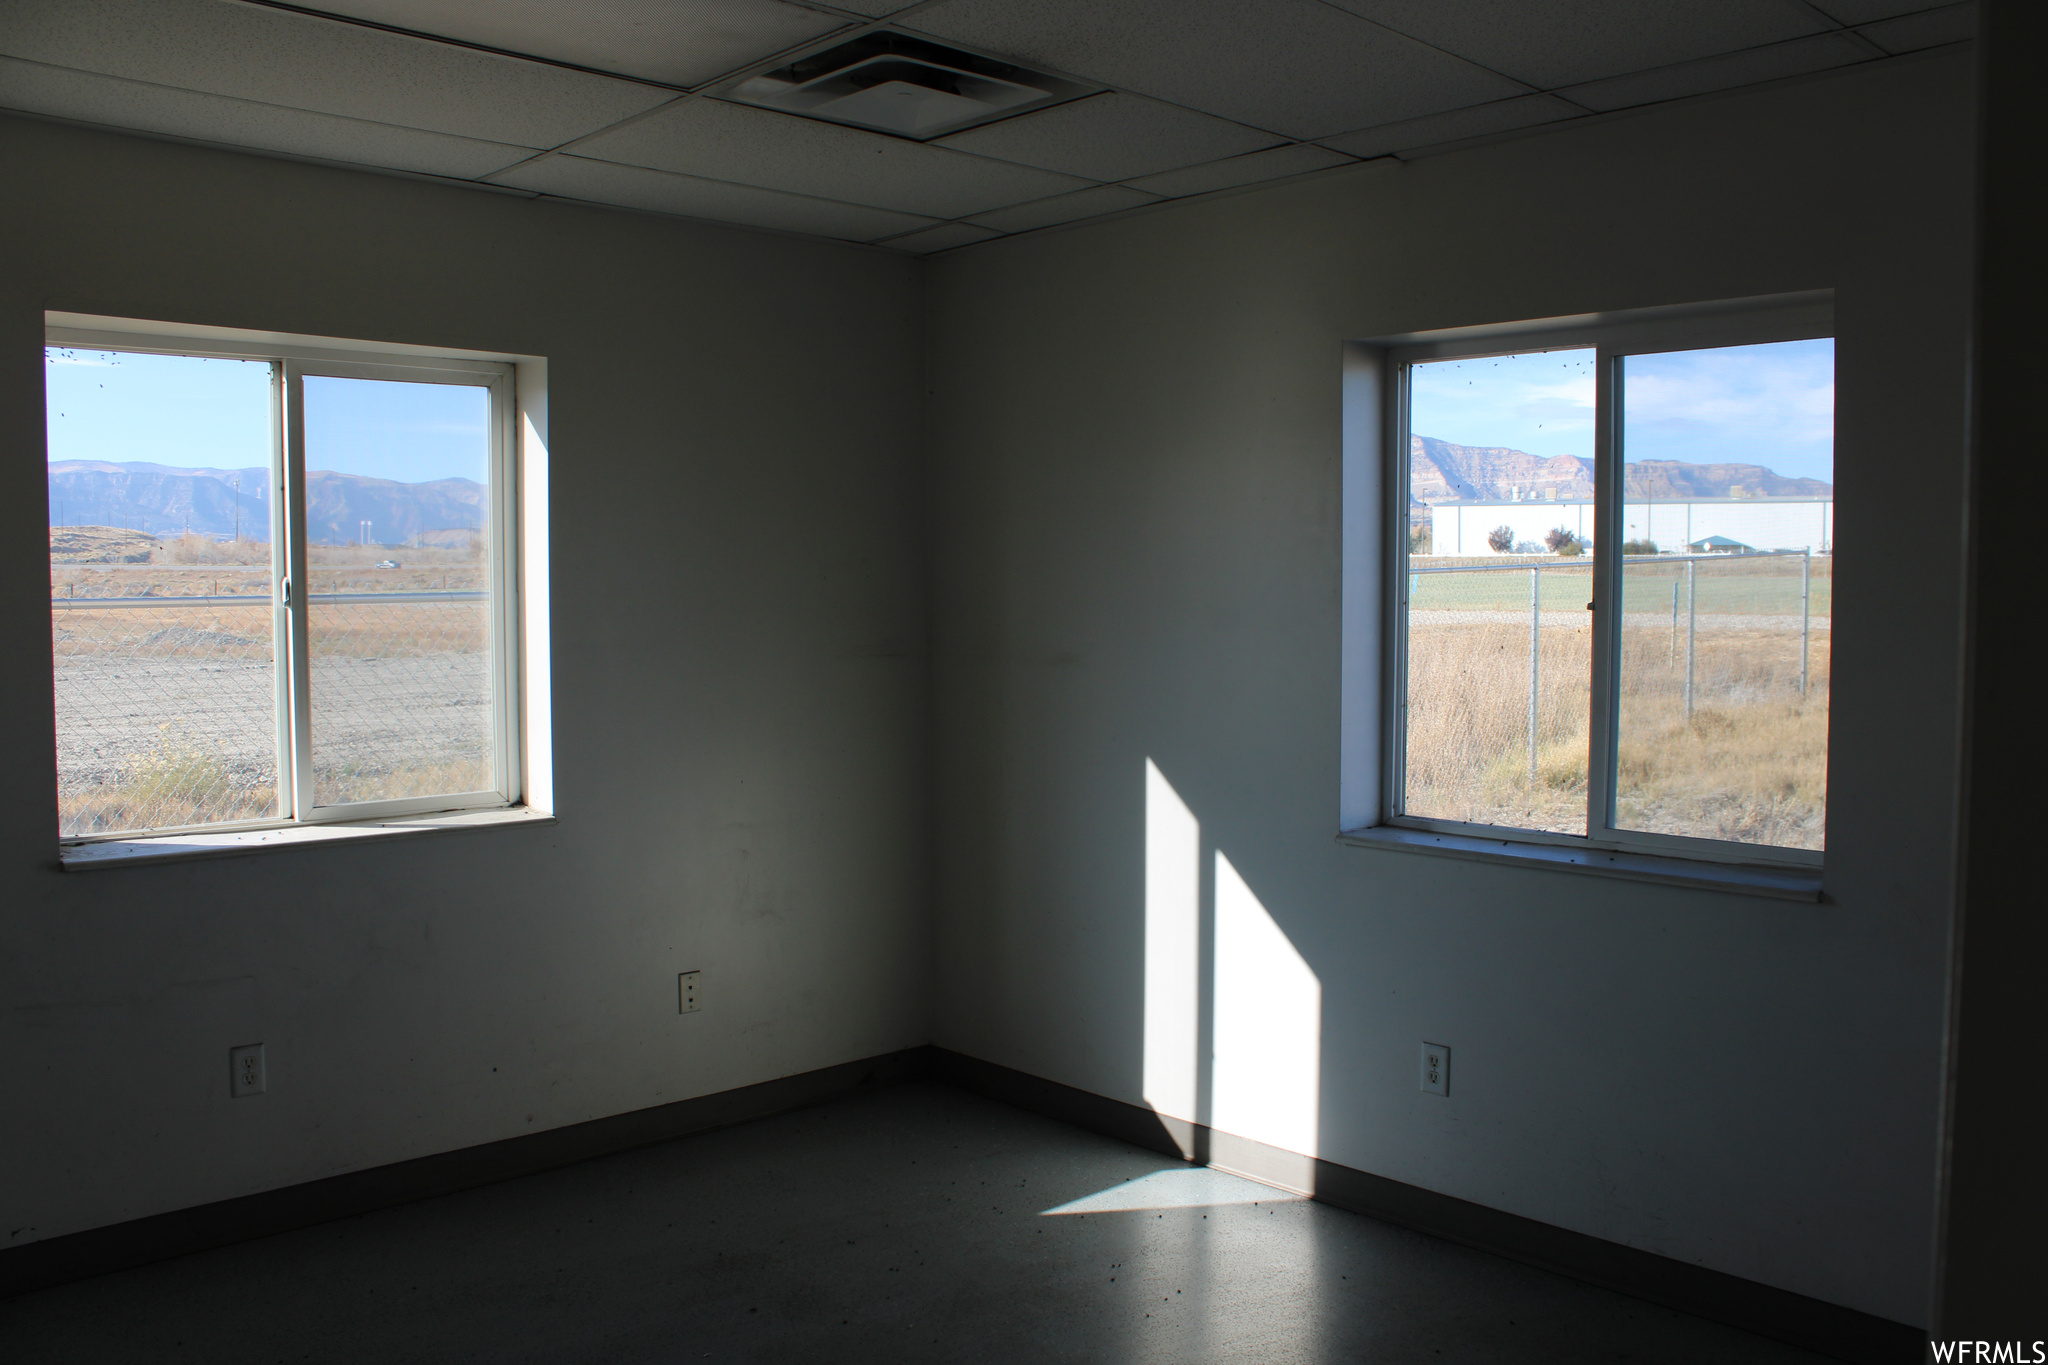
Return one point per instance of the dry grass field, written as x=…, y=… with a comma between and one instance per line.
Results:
x=1749, y=764
x=166, y=714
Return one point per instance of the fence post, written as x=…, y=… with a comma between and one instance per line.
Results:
x=1674, y=623
x=1692, y=621
x=1805, y=612
x=1535, y=623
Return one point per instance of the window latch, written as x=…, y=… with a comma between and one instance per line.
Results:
x=284, y=592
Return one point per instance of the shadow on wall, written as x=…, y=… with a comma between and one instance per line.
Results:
x=1233, y=1013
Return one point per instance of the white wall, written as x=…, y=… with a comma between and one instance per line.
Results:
x=739, y=700
x=1137, y=447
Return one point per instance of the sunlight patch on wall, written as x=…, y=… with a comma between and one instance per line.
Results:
x=1173, y=948
x=1268, y=1025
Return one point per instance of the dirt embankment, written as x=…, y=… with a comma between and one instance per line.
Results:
x=101, y=545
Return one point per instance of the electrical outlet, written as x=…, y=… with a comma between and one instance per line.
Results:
x=1436, y=1069
x=689, y=993
x=245, y=1070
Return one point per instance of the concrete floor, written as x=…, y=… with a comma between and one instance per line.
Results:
x=913, y=1223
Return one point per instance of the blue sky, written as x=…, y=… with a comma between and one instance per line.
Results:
x=188, y=411
x=1772, y=405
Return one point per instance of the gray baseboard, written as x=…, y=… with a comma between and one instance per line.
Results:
x=1830, y=1329
x=75, y=1256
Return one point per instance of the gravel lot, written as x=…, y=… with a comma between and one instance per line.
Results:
x=373, y=714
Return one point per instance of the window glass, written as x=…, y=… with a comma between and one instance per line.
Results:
x=399, y=613
x=1727, y=577
x=162, y=617
x=1498, y=574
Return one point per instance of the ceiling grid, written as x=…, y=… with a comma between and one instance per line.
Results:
x=635, y=103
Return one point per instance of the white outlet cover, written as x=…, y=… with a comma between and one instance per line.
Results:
x=1436, y=1069
x=689, y=992
x=245, y=1070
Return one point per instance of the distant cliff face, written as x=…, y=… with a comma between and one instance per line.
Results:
x=1439, y=471
x=164, y=500
x=1442, y=472
x=1677, y=479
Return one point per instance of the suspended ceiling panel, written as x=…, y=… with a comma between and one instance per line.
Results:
x=1065, y=208
x=1552, y=43
x=276, y=57
x=1523, y=111
x=603, y=182
x=1295, y=67
x=678, y=42
x=1296, y=158
x=1801, y=57
x=625, y=102
x=750, y=146
x=1930, y=28
x=1867, y=11
x=1112, y=136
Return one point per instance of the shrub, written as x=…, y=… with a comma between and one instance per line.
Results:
x=1502, y=539
x=1528, y=547
x=1560, y=541
x=1639, y=547
x=1418, y=539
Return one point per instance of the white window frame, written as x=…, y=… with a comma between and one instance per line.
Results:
x=1376, y=582
x=516, y=388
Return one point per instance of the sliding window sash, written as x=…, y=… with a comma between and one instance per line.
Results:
x=1612, y=337
x=290, y=580
x=501, y=576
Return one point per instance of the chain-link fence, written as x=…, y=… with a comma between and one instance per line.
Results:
x=1723, y=696
x=166, y=698
x=1722, y=703
x=166, y=691
x=401, y=693
x=1499, y=662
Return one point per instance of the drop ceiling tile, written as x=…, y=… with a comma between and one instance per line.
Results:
x=1111, y=136
x=1934, y=28
x=750, y=146
x=1481, y=119
x=681, y=42
x=1549, y=43
x=1296, y=67
x=942, y=238
x=80, y=95
x=1241, y=170
x=1796, y=58
x=1065, y=208
x=276, y=57
x=1864, y=11
x=602, y=182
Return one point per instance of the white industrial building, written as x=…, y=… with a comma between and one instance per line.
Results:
x=1461, y=528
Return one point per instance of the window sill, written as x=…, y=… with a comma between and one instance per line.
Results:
x=1782, y=883
x=172, y=848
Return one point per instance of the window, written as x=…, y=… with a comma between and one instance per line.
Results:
x=1608, y=586
x=284, y=581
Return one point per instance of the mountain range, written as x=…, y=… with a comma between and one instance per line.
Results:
x=166, y=500
x=1439, y=471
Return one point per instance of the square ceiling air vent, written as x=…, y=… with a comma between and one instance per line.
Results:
x=911, y=87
